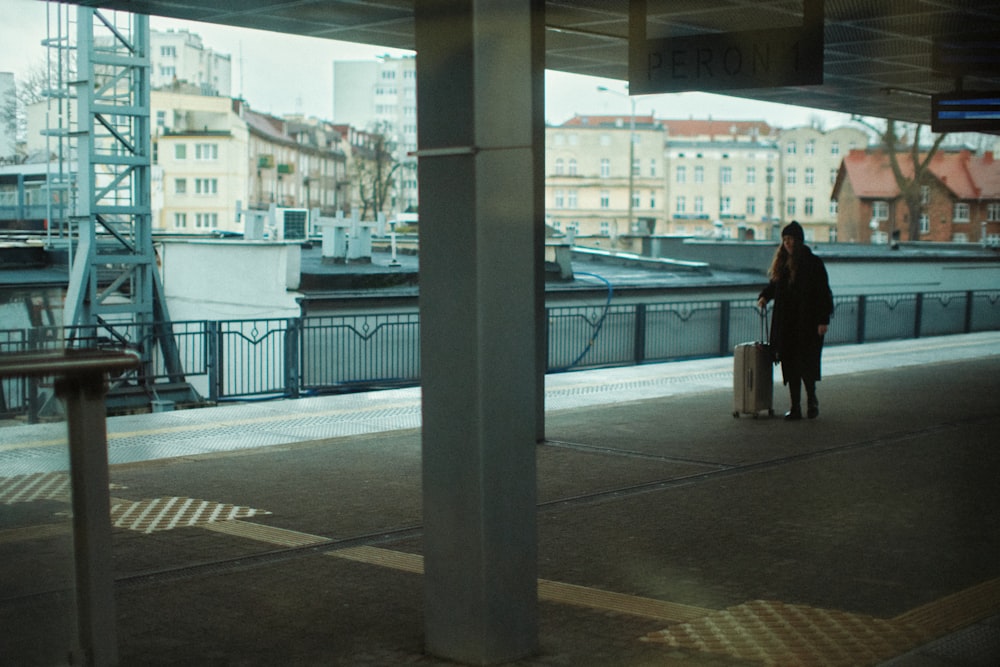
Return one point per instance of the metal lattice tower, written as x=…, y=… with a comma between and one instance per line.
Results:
x=101, y=93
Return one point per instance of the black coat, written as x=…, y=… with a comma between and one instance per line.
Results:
x=799, y=309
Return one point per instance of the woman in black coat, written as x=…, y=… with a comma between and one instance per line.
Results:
x=803, y=305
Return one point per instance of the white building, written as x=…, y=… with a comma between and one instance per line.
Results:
x=720, y=180
x=179, y=57
x=381, y=96
x=810, y=159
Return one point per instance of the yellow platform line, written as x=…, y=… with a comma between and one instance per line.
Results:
x=549, y=591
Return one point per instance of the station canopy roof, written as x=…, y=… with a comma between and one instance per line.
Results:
x=877, y=56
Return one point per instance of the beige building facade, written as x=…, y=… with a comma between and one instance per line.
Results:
x=702, y=178
x=810, y=160
x=214, y=157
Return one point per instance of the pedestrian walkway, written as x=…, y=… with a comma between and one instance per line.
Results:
x=289, y=532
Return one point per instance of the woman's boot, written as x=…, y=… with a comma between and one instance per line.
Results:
x=795, y=392
x=812, y=403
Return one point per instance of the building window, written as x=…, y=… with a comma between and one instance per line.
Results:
x=834, y=148
x=751, y=206
x=636, y=167
x=180, y=220
x=605, y=228
x=605, y=167
x=726, y=174
x=206, y=151
x=960, y=238
x=560, y=199
x=961, y=213
x=790, y=148
x=560, y=166
x=682, y=174
x=810, y=176
x=751, y=175
x=993, y=212
x=206, y=220
x=652, y=199
x=635, y=200
x=880, y=210
x=571, y=199
x=807, y=207
x=180, y=186
x=925, y=195
x=790, y=207
x=572, y=166
x=925, y=223
x=699, y=174
x=168, y=51
x=833, y=207
x=699, y=204
x=206, y=186
x=833, y=176
x=161, y=118
x=652, y=167
x=180, y=151
x=811, y=147
x=605, y=199
x=681, y=205
x=725, y=205
x=790, y=176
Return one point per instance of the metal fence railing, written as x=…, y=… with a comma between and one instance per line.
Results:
x=238, y=359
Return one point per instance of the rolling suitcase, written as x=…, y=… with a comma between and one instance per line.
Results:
x=753, y=377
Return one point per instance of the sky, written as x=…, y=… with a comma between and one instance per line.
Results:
x=268, y=72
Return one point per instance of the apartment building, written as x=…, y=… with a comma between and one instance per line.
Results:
x=721, y=178
x=809, y=162
x=705, y=178
x=180, y=57
x=588, y=176
x=215, y=157
x=380, y=96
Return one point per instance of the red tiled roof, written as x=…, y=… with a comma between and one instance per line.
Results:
x=968, y=176
x=679, y=128
x=599, y=121
x=695, y=128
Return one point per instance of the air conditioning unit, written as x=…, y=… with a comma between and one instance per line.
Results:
x=292, y=223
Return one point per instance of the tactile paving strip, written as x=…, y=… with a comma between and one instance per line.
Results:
x=157, y=514
x=775, y=633
x=38, y=486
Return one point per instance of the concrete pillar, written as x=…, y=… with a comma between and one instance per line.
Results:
x=481, y=123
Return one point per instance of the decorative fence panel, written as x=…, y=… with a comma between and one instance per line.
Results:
x=266, y=357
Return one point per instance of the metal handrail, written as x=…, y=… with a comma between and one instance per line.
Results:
x=263, y=358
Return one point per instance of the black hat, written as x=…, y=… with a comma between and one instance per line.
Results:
x=794, y=229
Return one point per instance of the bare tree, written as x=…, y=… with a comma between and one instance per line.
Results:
x=893, y=141
x=375, y=173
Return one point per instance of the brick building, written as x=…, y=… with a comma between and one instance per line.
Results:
x=960, y=199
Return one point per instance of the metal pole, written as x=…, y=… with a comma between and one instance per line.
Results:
x=85, y=412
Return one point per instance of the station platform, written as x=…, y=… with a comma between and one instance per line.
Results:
x=670, y=533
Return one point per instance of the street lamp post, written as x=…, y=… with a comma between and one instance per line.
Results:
x=631, y=154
